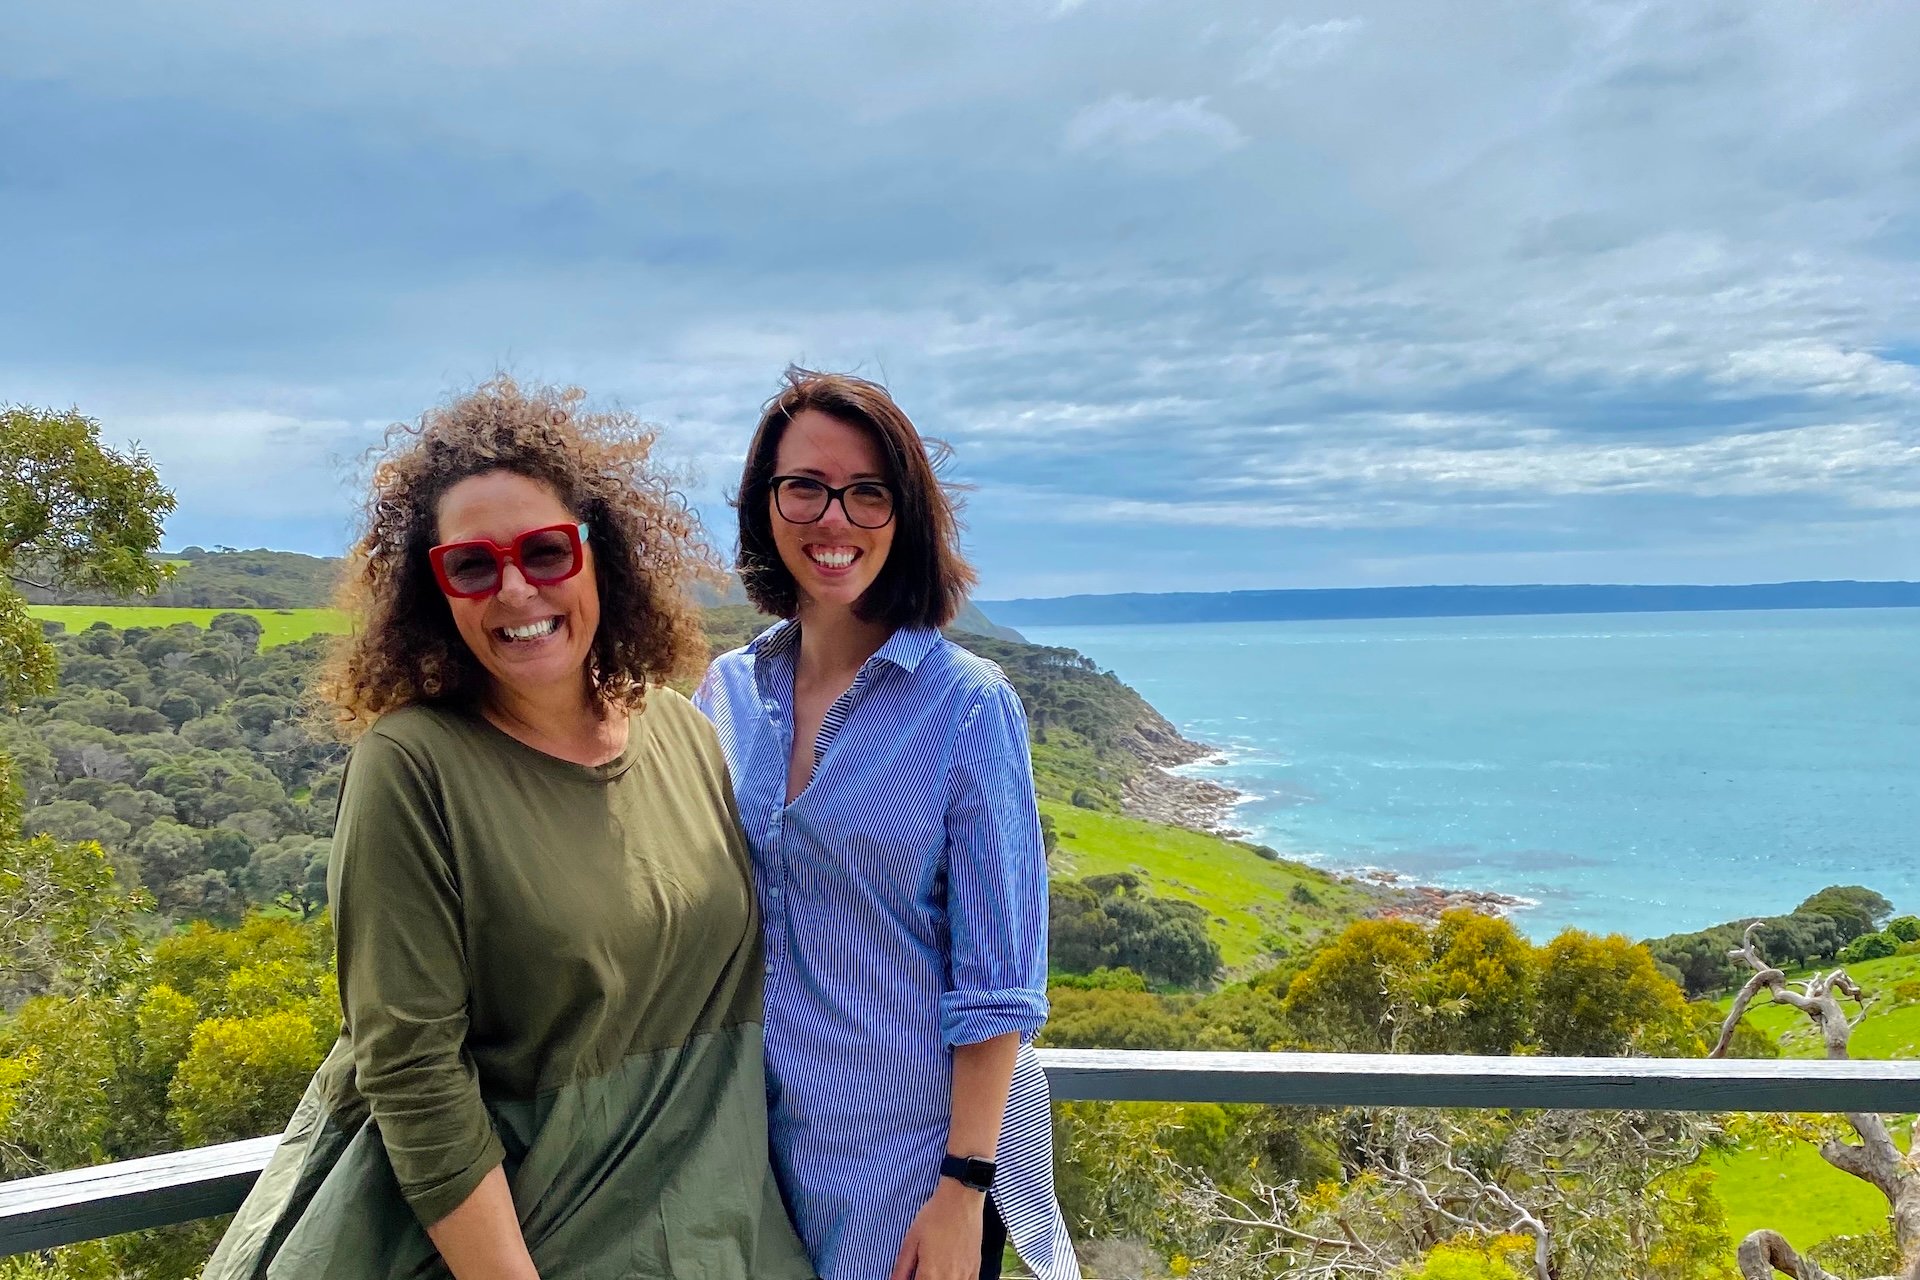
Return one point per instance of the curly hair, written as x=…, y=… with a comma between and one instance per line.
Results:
x=648, y=551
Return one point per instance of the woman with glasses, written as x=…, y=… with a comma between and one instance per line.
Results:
x=550, y=958
x=883, y=778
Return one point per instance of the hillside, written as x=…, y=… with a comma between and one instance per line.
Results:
x=1442, y=602
x=226, y=578
x=153, y=700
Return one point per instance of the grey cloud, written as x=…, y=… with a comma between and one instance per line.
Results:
x=1478, y=277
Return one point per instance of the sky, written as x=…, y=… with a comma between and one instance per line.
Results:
x=1205, y=295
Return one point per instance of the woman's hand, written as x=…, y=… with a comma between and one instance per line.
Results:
x=944, y=1241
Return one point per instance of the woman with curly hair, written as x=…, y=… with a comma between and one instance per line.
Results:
x=548, y=949
x=883, y=776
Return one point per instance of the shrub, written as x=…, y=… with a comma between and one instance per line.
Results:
x=1869, y=946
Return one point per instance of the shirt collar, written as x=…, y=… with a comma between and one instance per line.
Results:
x=776, y=638
x=904, y=648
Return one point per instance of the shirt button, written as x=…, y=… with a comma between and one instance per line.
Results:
x=773, y=891
x=769, y=968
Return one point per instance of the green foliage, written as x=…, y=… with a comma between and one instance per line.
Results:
x=1869, y=946
x=27, y=665
x=1472, y=984
x=1474, y=1258
x=1245, y=896
x=1113, y=1019
x=225, y=579
x=1603, y=997
x=181, y=752
x=1121, y=1168
x=1691, y=1241
x=1905, y=928
x=243, y=1076
x=73, y=513
x=1857, y=909
x=1814, y=932
x=213, y=1037
x=1867, y=1253
x=1101, y=979
x=1483, y=968
x=1464, y=986
x=65, y=926
x=1357, y=994
x=1107, y=921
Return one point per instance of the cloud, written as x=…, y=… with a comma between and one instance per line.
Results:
x=1187, y=129
x=1330, y=300
x=1293, y=46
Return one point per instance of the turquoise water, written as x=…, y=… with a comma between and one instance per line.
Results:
x=1638, y=773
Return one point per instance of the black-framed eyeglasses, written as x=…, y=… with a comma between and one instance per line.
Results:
x=868, y=504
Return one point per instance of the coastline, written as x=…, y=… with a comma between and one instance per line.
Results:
x=1158, y=794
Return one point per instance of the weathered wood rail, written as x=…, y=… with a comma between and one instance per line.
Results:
x=86, y=1204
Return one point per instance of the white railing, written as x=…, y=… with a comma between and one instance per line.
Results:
x=86, y=1204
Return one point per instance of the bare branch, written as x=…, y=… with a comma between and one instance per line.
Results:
x=1764, y=1252
x=1761, y=981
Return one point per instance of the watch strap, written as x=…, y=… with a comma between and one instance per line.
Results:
x=968, y=1171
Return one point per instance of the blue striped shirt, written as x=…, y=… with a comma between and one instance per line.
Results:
x=905, y=903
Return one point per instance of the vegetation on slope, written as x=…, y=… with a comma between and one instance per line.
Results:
x=1258, y=909
x=277, y=626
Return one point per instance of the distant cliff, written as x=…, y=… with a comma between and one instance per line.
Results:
x=1443, y=602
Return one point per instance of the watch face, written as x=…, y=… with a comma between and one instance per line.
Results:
x=969, y=1171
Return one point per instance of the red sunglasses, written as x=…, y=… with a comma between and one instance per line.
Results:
x=469, y=570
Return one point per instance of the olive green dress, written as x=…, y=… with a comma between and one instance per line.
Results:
x=547, y=966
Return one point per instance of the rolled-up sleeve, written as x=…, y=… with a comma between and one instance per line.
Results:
x=996, y=878
x=403, y=978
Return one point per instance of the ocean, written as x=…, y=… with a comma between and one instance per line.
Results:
x=1633, y=773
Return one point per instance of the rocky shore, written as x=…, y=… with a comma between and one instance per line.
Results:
x=1408, y=900
x=1156, y=794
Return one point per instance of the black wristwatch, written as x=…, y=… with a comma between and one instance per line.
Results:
x=968, y=1171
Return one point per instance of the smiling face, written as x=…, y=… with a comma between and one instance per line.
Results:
x=833, y=561
x=532, y=640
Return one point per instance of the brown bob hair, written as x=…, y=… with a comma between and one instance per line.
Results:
x=647, y=551
x=925, y=580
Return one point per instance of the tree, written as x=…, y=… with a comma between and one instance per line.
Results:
x=243, y=627
x=64, y=923
x=1855, y=908
x=73, y=513
x=291, y=873
x=1483, y=968
x=1357, y=994
x=1869, y=946
x=1111, y=920
x=1603, y=997
x=1551, y=1194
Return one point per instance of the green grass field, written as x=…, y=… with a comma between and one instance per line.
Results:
x=1891, y=1028
x=1796, y=1193
x=1247, y=896
x=1793, y=1190
x=282, y=626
